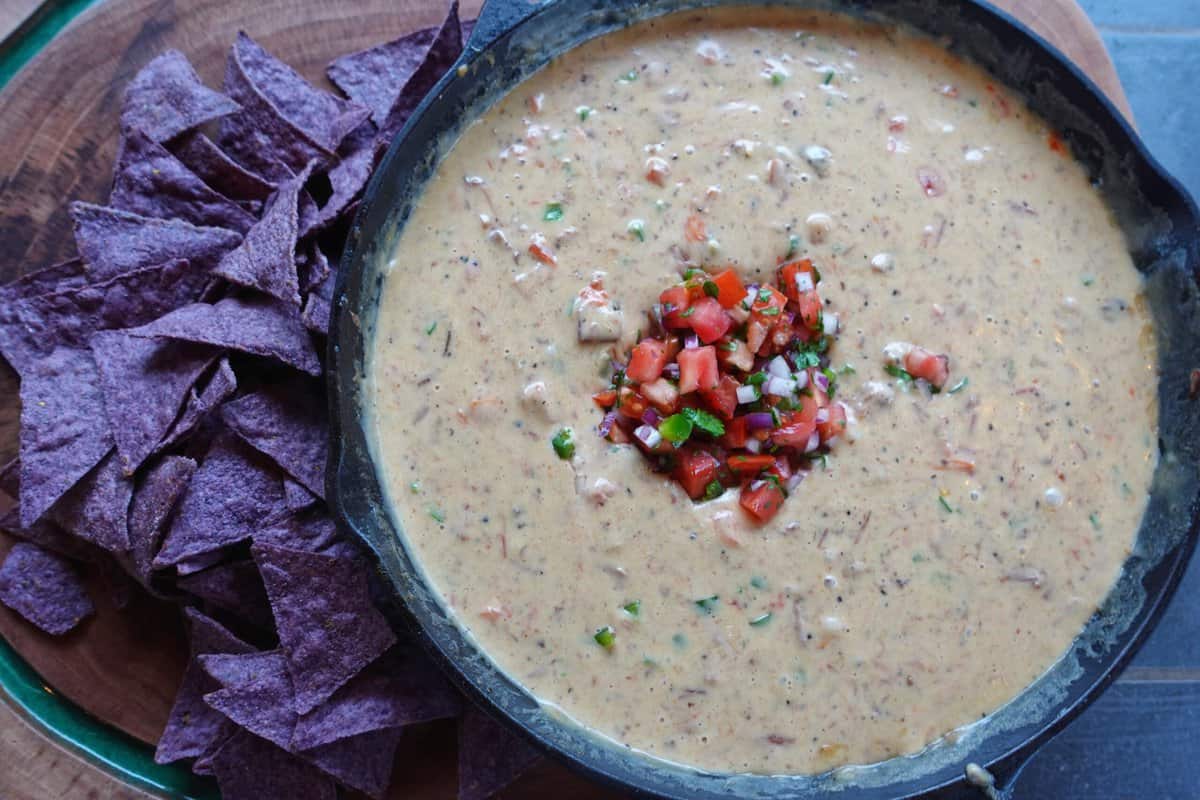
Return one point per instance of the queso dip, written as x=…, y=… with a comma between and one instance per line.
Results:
x=948, y=549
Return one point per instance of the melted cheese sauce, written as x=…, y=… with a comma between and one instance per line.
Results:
x=907, y=597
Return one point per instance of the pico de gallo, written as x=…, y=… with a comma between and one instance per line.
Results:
x=732, y=388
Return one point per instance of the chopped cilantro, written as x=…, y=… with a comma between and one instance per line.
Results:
x=832, y=377
x=945, y=504
x=757, y=379
x=713, y=490
x=629, y=77
x=430, y=328
x=761, y=619
x=704, y=421
x=680, y=640
x=707, y=604
x=676, y=428
x=729, y=347
x=777, y=78
x=847, y=369
x=1095, y=520
x=897, y=371
x=553, y=212
x=437, y=515
x=764, y=295
x=637, y=229
x=1088, y=280
x=692, y=272
x=414, y=487
x=711, y=289
x=793, y=246
x=918, y=558
x=583, y=112
x=633, y=609
x=773, y=311
x=564, y=444
x=606, y=637
x=958, y=387
x=807, y=358
x=828, y=78
x=758, y=582
x=689, y=312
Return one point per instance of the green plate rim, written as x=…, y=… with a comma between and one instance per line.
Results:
x=102, y=745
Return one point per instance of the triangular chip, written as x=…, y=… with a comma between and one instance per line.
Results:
x=403, y=687
x=266, y=258
x=288, y=423
x=153, y=501
x=167, y=98
x=32, y=327
x=249, y=767
x=296, y=497
x=375, y=76
x=193, y=726
x=328, y=627
x=319, y=305
x=145, y=382
x=310, y=529
x=97, y=508
x=236, y=588
x=363, y=762
x=233, y=490
x=64, y=432
x=443, y=52
x=347, y=178
x=255, y=692
x=43, y=588
x=489, y=756
x=261, y=326
x=47, y=280
x=113, y=242
x=200, y=405
x=152, y=182
x=202, y=156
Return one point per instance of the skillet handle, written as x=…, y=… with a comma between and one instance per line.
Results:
x=497, y=18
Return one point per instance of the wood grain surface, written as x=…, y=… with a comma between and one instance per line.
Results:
x=58, y=139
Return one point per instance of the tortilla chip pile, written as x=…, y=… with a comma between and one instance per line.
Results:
x=173, y=423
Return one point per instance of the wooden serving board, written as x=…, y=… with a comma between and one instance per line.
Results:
x=58, y=140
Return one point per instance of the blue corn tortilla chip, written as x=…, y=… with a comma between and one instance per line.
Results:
x=444, y=50
x=310, y=529
x=318, y=305
x=59, y=277
x=203, y=765
x=295, y=496
x=312, y=266
x=193, y=727
x=152, y=182
x=201, y=403
x=266, y=258
x=97, y=508
x=286, y=422
x=347, y=178
x=202, y=156
x=259, y=326
x=154, y=499
x=363, y=762
x=489, y=757
x=249, y=767
x=166, y=98
x=32, y=327
x=64, y=432
x=233, y=490
x=374, y=77
x=255, y=693
x=234, y=587
x=401, y=688
x=46, y=534
x=43, y=588
x=145, y=384
x=113, y=242
x=328, y=627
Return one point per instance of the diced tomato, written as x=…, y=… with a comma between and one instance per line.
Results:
x=809, y=405
x=920, y=363
x=756, y=334
x=730, y=289
x=630, y=403
x=789, y=272
x=809, y=305
x=708, y=319
x=675, y=301
x=617, y=435
x=782, y=334
x=605, y=399
x=734, y=353
x=769, y=302
x=722, y=398
x=735, y=433
x=694, y=230
x=539, y=250
x=695, y=470
x=795, y=433
x=781, y=469
x=661, y=394
x=836, y=424
x=698, y=369
x=749, y=464
x=762, y=500
x=647, y=361
x=657, y=170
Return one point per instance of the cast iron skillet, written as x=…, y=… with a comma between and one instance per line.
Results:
x=514, y=38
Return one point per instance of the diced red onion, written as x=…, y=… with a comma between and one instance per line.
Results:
x=820, y=381
x=657, y=328
x=652, y=417
x=617, y=366
x=780, y=387
x=829, y=323
x=795, y=480
x=753, y=445
x=747, y=394
x=691, y=342
x=804, y=282
x=671, y=371
x=814, y=441
x=822, y=416
x=801, y=379
x=751, y=296
x=648, y=436
x=777, y=366
x=607, y=423
x=759, y=421
x=756, y=485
